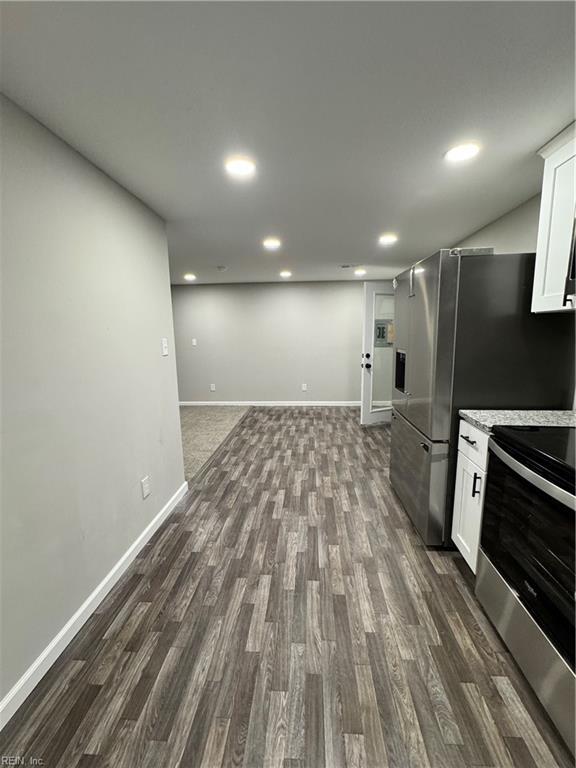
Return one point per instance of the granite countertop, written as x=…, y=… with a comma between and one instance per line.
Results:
x=485, y=420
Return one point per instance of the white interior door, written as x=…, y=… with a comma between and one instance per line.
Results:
x=377, y=353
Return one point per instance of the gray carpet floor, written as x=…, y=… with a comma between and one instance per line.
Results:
x=204, y=428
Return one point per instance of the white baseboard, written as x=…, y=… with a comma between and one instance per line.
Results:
x=36, y=671
x=275, y=403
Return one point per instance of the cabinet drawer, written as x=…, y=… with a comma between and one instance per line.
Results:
x=473, y=443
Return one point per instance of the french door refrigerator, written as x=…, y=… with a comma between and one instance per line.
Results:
x=465, y=338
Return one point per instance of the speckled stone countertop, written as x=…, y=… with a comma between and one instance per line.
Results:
x=485, y=420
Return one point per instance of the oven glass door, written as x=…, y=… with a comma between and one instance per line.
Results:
x=529, y=537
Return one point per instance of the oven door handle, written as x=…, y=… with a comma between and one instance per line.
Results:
x=564, y=497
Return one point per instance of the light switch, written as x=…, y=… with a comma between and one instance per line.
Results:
x=164, y=347
x=145, y=483
x=193, y=342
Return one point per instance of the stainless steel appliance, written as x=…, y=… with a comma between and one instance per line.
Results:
x=465, y=338
x=525, y=579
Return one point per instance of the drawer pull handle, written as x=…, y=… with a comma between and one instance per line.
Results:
x=425, y=447
x=475, y=491
x=468, y=440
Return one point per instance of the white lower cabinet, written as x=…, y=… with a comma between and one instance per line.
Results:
x=468, y=501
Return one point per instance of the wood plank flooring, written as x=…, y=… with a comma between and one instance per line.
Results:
x=287, y=616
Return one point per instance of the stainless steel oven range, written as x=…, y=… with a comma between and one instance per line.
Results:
x=525, y=579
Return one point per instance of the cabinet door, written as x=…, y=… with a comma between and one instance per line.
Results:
x=555, y=230
x=468, y=501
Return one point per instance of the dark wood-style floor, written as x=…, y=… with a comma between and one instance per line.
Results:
x=287, y=615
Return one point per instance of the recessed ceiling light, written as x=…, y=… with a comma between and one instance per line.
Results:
x=285, y=274
x=360, y=272
x=462, y=152
x=387, y=238
x=272, y=243
x=189, y=277
x=240, y=167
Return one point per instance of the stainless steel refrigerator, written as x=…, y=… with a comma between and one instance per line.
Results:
x=466, y=338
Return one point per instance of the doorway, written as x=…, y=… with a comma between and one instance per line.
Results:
x=377, y=363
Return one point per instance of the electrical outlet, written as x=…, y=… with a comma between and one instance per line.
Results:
x=146, y=490
x=212, y=387
x=164, y=347
x=304, y=387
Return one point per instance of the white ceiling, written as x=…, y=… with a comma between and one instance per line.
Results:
x=348, y=108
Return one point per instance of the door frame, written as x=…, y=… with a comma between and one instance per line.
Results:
x=368, y=415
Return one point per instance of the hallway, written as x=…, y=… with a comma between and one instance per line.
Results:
x=287, y=615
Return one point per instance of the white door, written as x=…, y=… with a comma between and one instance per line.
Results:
x=468, y=502
x=377, y=353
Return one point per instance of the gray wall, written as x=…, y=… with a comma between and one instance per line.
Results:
x=261, y=342
x=89, y=406
x=515, y=232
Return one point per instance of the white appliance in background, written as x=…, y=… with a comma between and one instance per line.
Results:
x=553, y=285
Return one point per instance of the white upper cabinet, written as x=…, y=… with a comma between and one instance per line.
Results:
x=556, y=223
